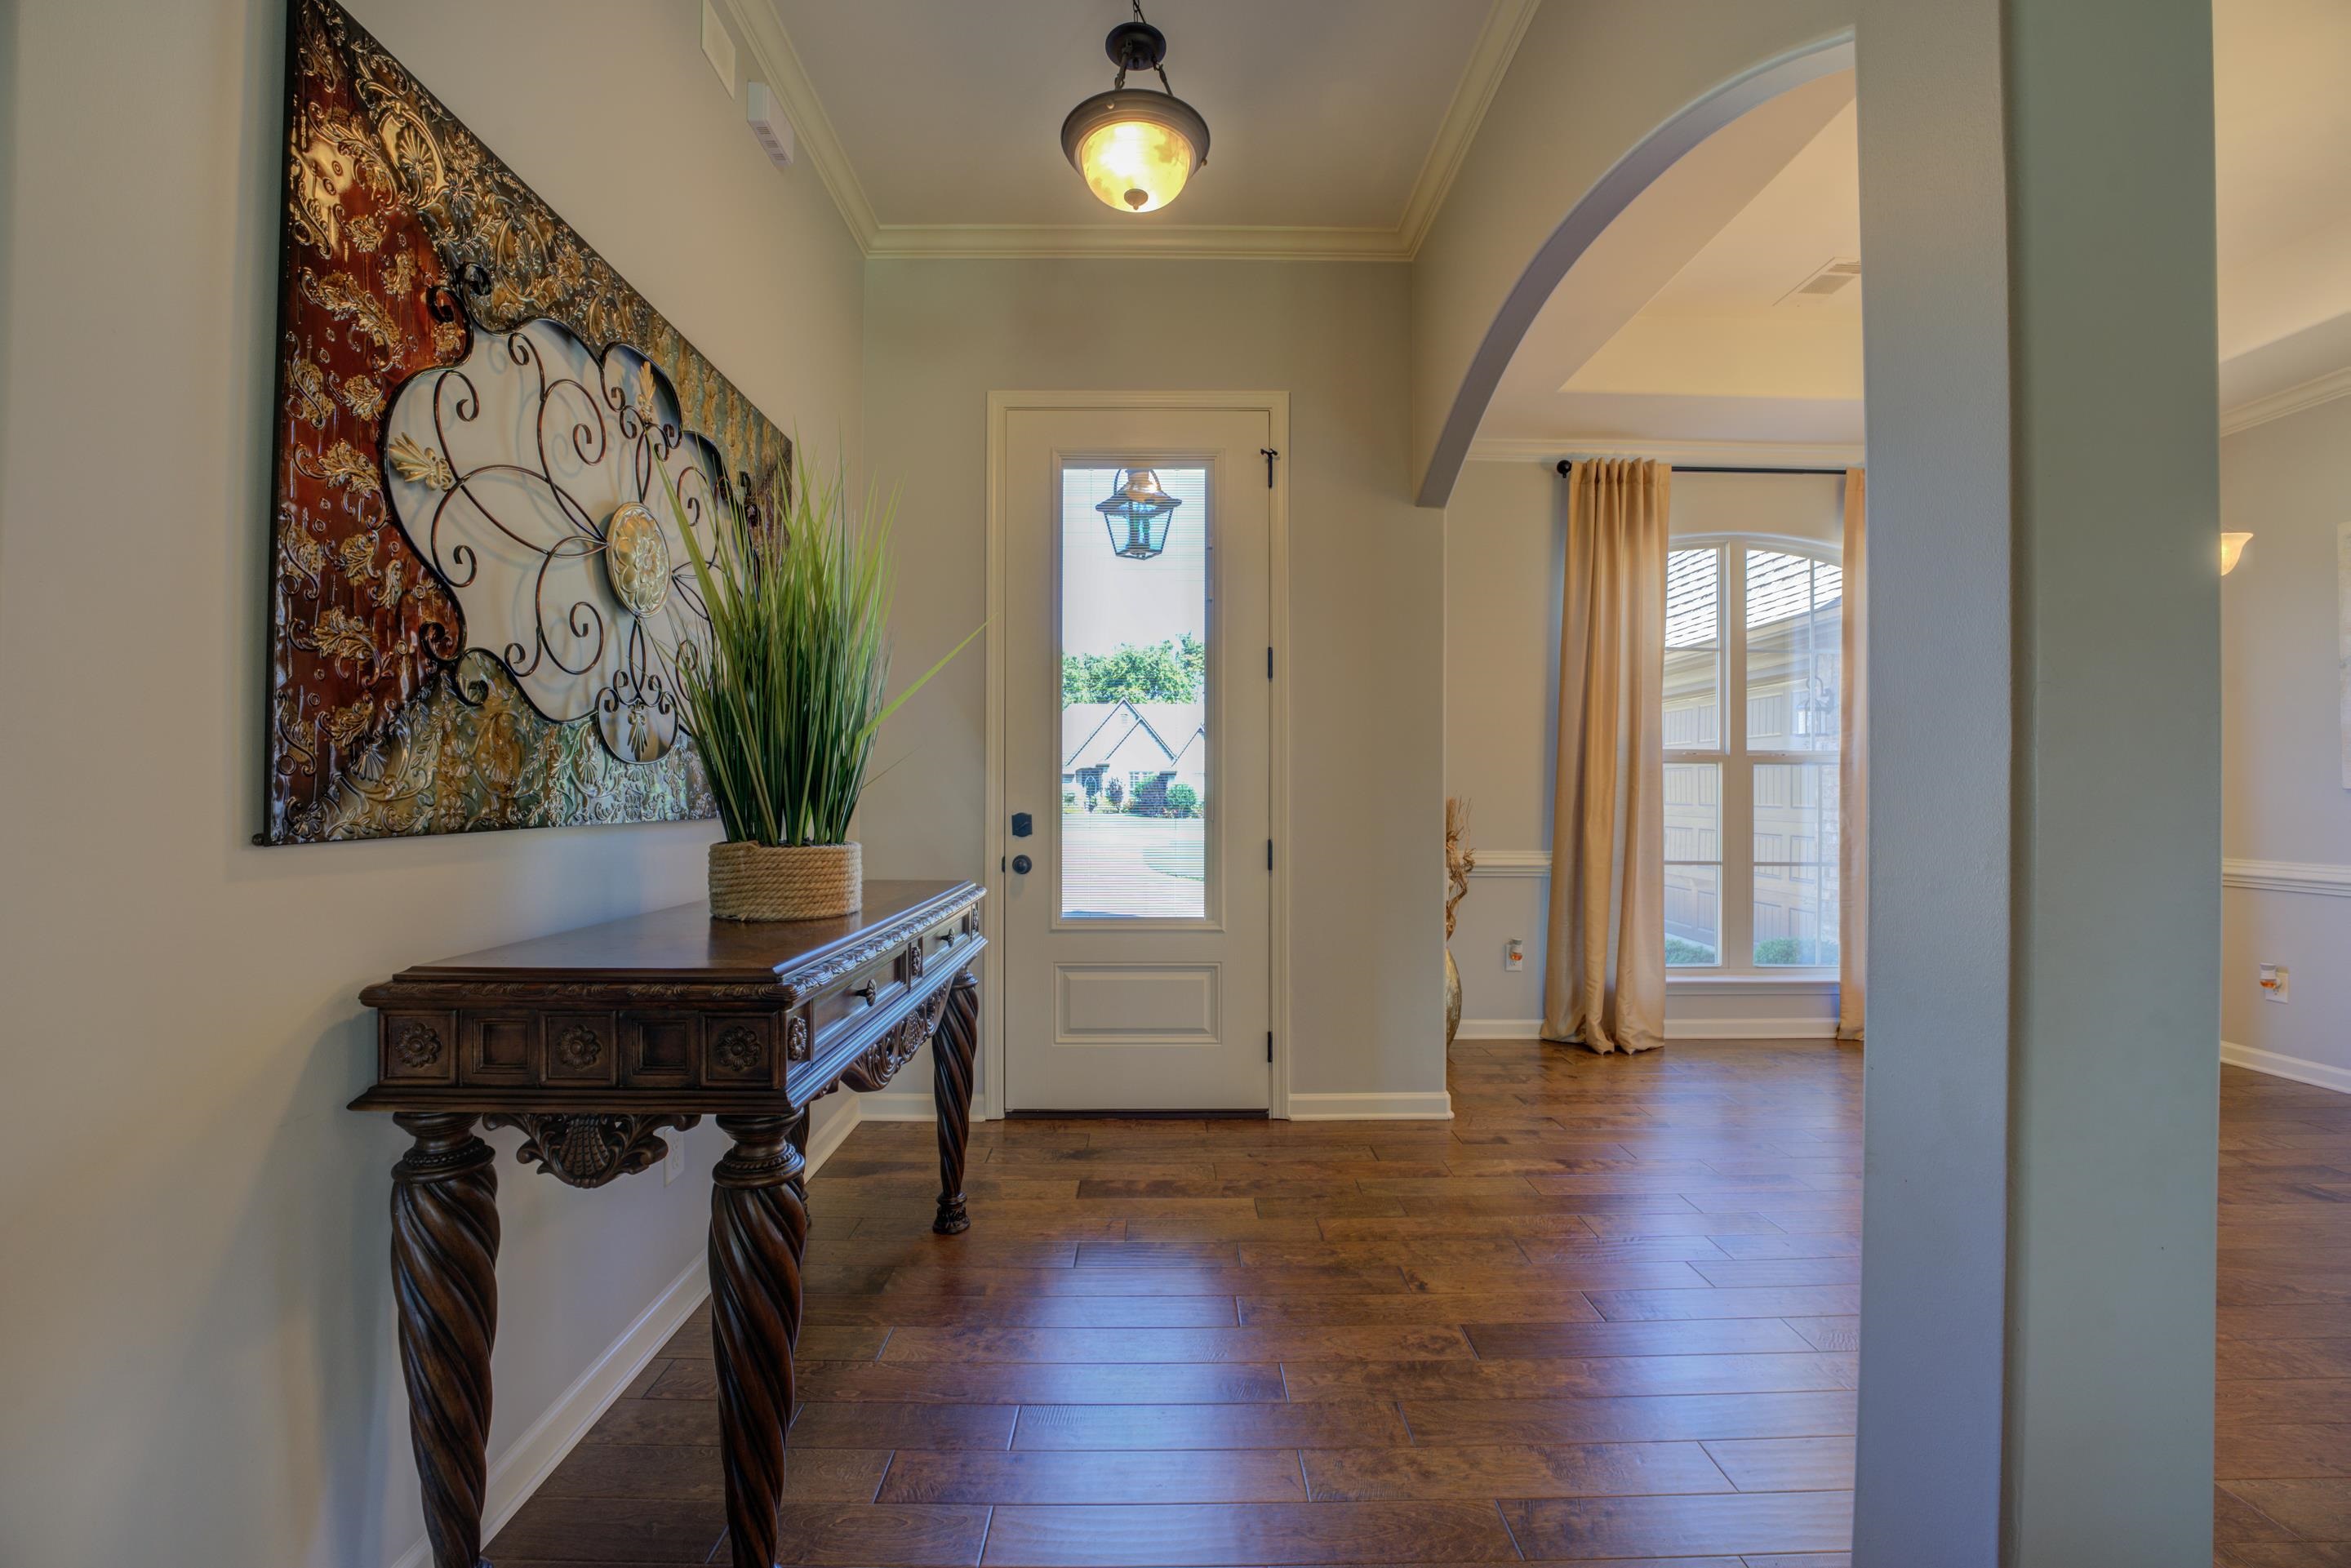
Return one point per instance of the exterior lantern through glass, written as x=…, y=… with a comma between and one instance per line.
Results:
x=1137, y=515
x=1135, y=148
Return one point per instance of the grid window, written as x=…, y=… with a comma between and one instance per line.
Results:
x=1752, y=784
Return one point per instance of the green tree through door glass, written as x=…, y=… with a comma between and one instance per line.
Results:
x=1135, y=785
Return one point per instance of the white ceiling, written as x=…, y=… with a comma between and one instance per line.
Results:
x=1332, y=117
x=1712, y=352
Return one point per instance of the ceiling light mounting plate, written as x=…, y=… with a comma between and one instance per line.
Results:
x=1136, y=46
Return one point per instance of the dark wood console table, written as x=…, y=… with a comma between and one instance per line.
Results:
x=592, y=1041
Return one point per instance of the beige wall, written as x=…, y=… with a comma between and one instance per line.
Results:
x=1366, y=655
x=2282, y=795
x=194, y=1285
x=1504, y=536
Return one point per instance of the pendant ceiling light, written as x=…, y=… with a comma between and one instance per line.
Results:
x=1135, y=148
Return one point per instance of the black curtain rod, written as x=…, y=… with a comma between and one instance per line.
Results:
x=1565, y=464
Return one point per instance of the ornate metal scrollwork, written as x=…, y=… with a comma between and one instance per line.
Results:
x=590, y=1150
x=417, y=1047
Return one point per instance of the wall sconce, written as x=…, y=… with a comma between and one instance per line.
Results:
x=2231, y=547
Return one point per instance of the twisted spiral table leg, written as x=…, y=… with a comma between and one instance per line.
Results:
x=953, y=1046
x=445, y=1253
x=759, y=1230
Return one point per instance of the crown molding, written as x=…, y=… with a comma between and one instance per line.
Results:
x=779, y=64
x=1490, y=61
x=1172, y=242
x=2291, y=399
x=2316, y=877
x=1728, y=453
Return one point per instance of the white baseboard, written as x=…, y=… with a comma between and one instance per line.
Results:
x=897, y=1105
x=1436, y=1105
x=1750, y=1028
x=1676, y=1028
x=515, y=1474
x=1499, y=1029
x=2316, y=1073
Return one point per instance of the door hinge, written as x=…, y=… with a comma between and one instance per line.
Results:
x=1269, y=854
x=1268, y=664
x=1001, y=863
x=1268, y=1048
x=1270, y=455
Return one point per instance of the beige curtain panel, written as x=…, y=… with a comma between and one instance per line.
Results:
x=1604, y=972
x=1853, y=767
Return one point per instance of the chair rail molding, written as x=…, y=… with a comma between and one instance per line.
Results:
x=1512, y=863
x=2315, y=877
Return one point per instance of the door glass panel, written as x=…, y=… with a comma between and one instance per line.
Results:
x=1135, y=806
x=1694, y=650
x=1795, y=863
x=1794, y=650
x=1693, y=863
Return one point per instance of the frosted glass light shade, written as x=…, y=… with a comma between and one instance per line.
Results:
x=2231, y=547
x=1135, y=150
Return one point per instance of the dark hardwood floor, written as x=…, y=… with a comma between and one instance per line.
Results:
x=1606, y=1314
x=2284, y=1416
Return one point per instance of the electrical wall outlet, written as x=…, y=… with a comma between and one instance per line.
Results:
x=674, y=1163
x=2274, y=981
x=1514, y=954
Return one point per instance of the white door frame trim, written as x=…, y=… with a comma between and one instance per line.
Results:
x=1275, y=406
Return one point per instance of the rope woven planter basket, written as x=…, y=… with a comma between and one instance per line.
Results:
x=789, y=882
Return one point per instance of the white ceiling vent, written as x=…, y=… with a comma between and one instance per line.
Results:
x=1831, y=279
x=768, y=123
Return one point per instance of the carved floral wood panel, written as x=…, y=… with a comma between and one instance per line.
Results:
x=479, y=590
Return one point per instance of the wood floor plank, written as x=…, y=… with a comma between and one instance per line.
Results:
x=1034, y=1383
x=1024, y=1312
x=1570, y=1377
x=1581, y=1469
x=931, y=1535
x=1197, y=1345
x=1786, y=1464
x=1688, y=1337
x=612, y=1530
x=691, y=1471
x=1795, y=1301
x=1642, y=1418
x=1073, y=1476
x=1277, y=1534
x=1742, y=1523
x=1332, y=1423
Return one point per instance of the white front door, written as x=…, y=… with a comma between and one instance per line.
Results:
x=1137, y=956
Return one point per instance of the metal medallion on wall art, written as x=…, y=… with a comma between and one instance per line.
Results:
x=479, y=593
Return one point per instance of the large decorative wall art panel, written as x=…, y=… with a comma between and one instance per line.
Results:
x=479, y=589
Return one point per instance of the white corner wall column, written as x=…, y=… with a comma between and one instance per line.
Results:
x=2039, y=1186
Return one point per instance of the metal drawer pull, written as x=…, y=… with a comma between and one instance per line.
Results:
x=865, y=990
